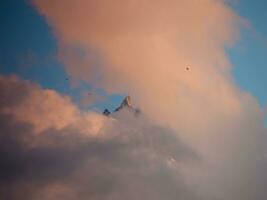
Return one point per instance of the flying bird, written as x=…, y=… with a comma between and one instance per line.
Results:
x=187, y=68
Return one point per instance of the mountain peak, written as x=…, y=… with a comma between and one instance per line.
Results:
x=125, y=103
x=106, y=112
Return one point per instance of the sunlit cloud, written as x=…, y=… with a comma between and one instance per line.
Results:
x=199, y=136
x=87, y=156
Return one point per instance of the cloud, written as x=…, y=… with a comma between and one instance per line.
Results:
x=143, y=48
x=118, y=157
x=130, y=158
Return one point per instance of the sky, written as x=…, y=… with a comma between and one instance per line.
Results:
x=28, y=42
x=28, y=49
x=196, y=71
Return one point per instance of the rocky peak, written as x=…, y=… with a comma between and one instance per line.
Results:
x=106, y=112
x=126, y=103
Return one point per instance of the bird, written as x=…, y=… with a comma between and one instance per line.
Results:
x=187, y=68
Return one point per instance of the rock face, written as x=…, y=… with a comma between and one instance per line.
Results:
x=106, y=112
x=125, y=104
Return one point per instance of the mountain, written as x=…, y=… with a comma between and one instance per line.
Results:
x=125, y=104
x=106, y=112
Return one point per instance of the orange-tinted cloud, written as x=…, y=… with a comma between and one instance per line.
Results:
x=57, y=151
x=45, y=109
x=144, y=48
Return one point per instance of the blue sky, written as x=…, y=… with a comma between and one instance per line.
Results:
x=28, y=48
x=249, y=57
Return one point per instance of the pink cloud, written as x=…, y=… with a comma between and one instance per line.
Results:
x=143, y=48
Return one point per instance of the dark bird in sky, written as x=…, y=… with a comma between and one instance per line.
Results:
x=187, y=68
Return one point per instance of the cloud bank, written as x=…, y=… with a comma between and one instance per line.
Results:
x=51, y=150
